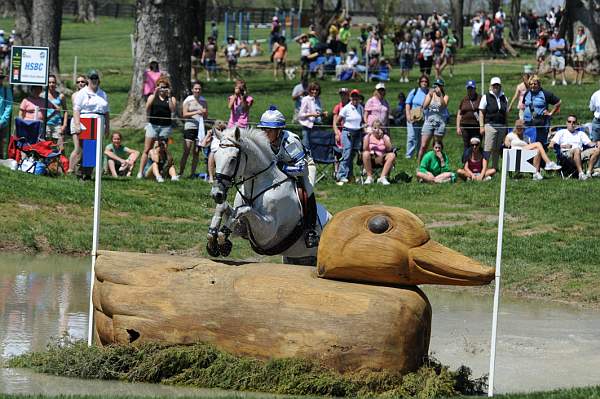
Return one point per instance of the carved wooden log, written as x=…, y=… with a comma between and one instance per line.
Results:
x=261, y=310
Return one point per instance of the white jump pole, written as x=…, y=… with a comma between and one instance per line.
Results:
x=482, y=77
x=498, y=271
x=96, y=226
x=75, y=71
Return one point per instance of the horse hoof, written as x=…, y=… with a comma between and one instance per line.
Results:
x=225, y=248
x=212, y=249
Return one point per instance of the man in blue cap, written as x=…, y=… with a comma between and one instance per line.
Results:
x=292, y=160
x=467, y=117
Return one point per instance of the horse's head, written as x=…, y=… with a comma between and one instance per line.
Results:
x=229, y=163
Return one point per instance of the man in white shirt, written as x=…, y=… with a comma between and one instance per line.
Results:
x=576, y=146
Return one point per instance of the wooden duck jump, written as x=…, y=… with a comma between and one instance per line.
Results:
x=273, y=310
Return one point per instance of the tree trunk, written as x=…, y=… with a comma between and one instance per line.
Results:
x=23, y=17
x=163, y=31
x=494, y=5
x=7, y=8
x=320, y=19
x=458, y=20
x=260, y=310
x=586, y=13
x=515, y=10
x=46, y=26
x=200, y=13
x=86, y=10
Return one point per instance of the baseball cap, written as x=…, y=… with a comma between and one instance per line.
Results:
x=495, y=81
x=343, y=90
x=355, y=92
x=93, y=74
x=380, y=85
x=475, y=140
x=471, y=83
x=439, y=82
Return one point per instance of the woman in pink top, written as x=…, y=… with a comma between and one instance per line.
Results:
x=377, y=108
x=239, y=105
x=151, y=75
x=33, y=103
x=377, y=150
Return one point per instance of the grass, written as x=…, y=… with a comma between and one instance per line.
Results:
x=549, y=231
x=202, y=365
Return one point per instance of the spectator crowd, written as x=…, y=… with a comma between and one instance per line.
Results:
x=361, y=123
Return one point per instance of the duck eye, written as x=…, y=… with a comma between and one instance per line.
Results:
x=379, y=224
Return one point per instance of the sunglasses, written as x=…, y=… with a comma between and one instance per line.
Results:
x=81, y=81
x=571, y=121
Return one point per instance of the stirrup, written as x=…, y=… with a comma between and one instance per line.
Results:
x=311, y=239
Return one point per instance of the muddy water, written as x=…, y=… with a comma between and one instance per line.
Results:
x=540, y=345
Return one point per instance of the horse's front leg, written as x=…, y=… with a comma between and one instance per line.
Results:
x=225, y=244
x=221, y=210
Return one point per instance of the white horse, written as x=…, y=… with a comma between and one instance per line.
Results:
x=267, y=210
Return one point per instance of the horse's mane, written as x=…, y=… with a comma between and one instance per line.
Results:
x=255, y=143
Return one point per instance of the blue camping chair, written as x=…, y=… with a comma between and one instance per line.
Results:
x=324, y=151
x=28, y=132
x=531, y=134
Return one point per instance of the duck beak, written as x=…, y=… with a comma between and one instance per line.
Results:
x=433, y=263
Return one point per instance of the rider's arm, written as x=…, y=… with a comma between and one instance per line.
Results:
x=298, y=166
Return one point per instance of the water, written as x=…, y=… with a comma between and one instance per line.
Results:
x=540, y=346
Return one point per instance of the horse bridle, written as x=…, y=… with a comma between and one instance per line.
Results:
x=230, y=180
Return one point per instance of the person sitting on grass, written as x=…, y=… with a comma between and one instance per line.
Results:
x=160, y=162
x=118, y=159
x=475, y=163
x=515, y=139
x=435, y=165
x=377, y=150
x=577, y=147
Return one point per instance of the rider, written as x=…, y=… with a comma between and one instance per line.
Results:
x=292, y=160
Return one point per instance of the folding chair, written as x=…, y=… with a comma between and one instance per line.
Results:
x=28, y=132
x=531, y=134
x=31, y=142
x=324, y=151
x=569, y=169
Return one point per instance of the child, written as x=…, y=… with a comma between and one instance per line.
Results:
x=118, y=159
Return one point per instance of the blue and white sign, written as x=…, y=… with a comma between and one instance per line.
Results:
x=29, y=65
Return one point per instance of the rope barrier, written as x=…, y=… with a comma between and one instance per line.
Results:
x=323, y=126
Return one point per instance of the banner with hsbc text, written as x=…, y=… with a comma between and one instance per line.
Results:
x=29, y=65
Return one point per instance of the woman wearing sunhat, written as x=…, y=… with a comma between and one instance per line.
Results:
x=90, y=100
x=436, y=113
